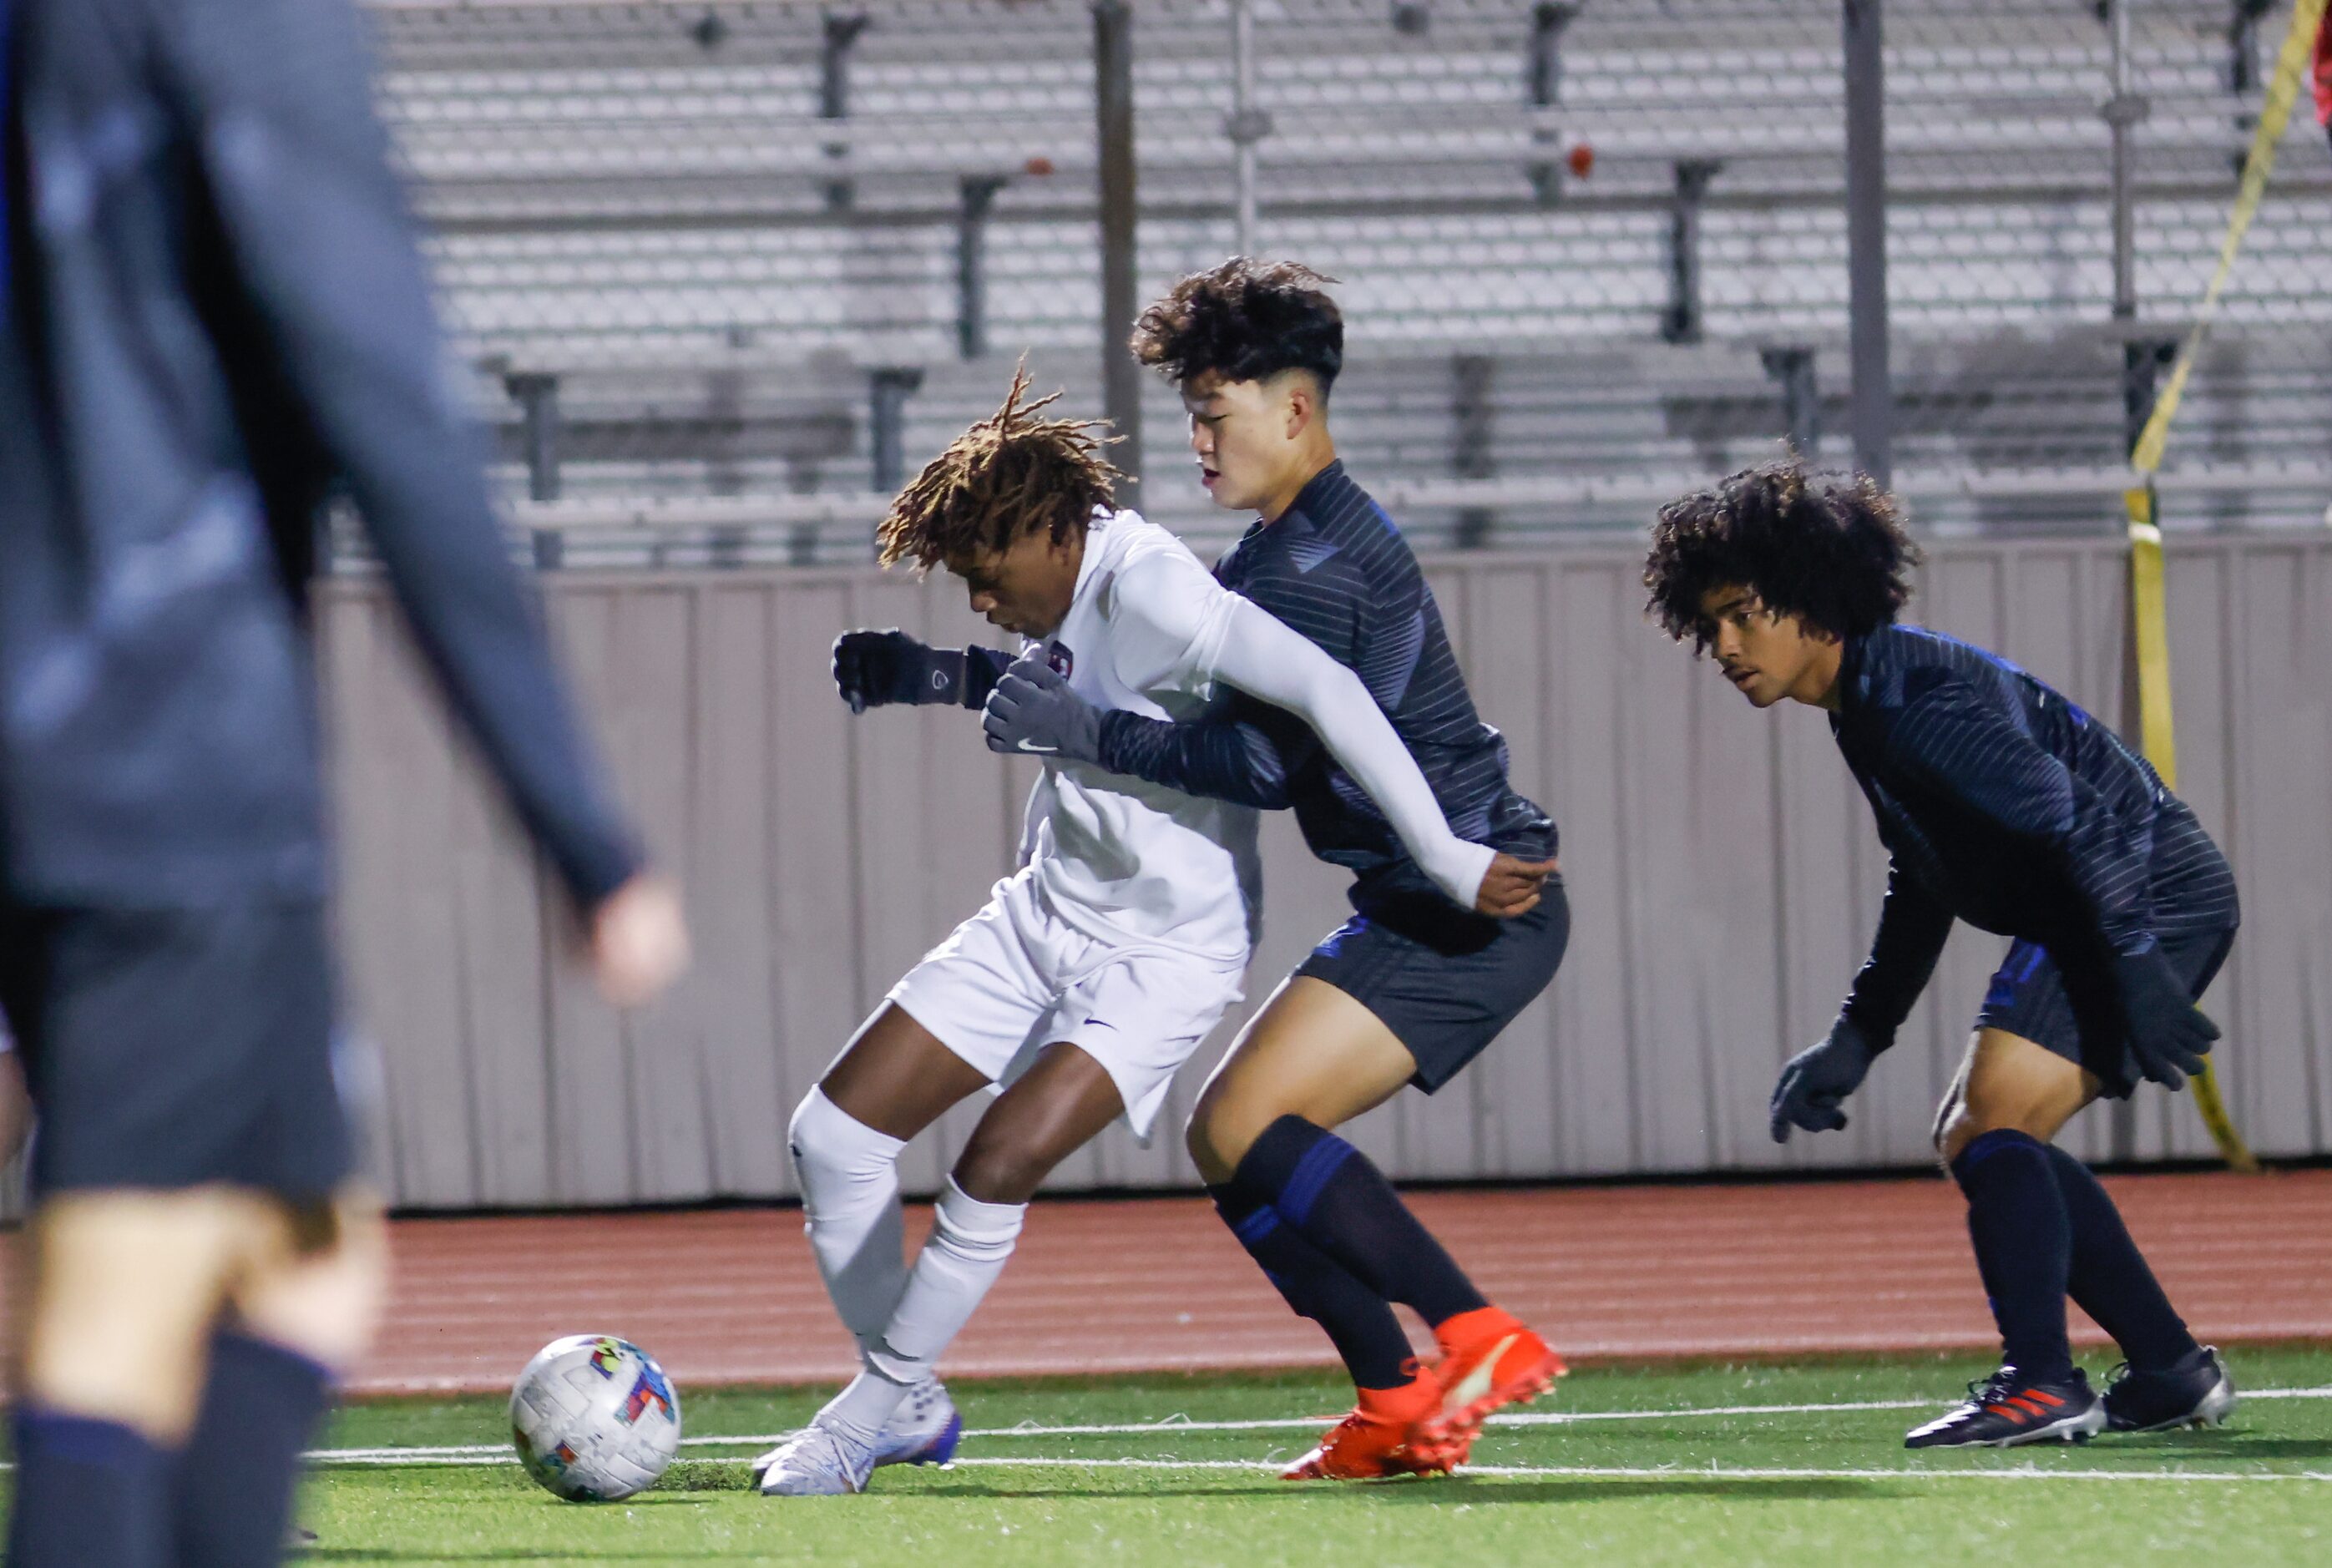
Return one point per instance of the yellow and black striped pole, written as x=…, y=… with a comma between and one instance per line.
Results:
x=2148, y=617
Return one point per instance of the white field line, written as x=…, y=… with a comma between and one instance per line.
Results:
x=465, y=1453
x=1622, y=1472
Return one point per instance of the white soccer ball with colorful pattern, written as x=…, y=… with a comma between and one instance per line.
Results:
x=595, y=1419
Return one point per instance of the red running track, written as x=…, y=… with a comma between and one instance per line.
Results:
x=731, y=1295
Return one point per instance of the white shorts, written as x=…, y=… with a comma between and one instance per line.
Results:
x=1016, y=977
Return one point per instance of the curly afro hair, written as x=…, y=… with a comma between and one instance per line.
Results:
x=1246, y=320
x=1830, y=548
x=1011, y=473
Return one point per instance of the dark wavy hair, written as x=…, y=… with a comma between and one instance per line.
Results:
x=1830, y=548
x=1012, y=473
x=1246, y=321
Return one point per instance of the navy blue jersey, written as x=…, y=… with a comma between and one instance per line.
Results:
x=1335, y=569
x=2006, y=806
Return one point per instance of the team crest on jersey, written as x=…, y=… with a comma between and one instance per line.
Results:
x=1062, y=661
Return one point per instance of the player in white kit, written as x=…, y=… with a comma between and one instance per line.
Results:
x=1097, y=968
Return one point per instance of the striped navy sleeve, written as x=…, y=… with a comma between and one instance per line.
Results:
x=1957, y=745
x=1913, y=924
x=1240, y=755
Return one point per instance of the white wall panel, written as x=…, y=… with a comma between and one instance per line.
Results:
x=1722, y=868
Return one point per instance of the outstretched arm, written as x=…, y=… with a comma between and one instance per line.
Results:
x=1237, y=755
x=1266, y=658
x=1170, y=627
x=318, y=236
x=876, y=669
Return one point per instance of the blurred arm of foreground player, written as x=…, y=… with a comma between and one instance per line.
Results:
x=322, y=245
x=272, y=96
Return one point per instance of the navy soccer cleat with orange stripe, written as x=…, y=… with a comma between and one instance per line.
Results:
x=2011, y=1409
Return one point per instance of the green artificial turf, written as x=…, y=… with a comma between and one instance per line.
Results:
x=1797, y=1487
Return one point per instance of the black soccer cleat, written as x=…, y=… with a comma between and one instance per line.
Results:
x=2197, y=1391
x=2010, y=1409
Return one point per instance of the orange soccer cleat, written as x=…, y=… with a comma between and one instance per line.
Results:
x=1373, y=1441
x=1488, y=1360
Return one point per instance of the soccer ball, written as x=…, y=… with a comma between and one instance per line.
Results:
x=594, y=1419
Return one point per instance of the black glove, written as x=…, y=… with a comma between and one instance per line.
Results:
x=1817, y=1079
x=2168, y=1034
x=875, y=669
x=1033, y=710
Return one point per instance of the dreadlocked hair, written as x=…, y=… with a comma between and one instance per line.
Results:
x=1246, y=320
x=1830, y=548
x=1007, y=475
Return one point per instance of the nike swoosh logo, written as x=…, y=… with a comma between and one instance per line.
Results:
x=1103, y=1022
x=1475, y=1384
x=1026, y=744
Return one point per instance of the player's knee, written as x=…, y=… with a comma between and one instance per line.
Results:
x=1001, y=1175
x=833, y=1151
x=1215, y=1139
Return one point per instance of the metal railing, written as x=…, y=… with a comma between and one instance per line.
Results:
x=727, y=272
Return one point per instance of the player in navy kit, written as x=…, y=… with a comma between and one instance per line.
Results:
x=211, y=314
x=2003, y=805
x=1413, y=986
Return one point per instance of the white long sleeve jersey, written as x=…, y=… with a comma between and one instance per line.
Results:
x=1151, y=631
x=1116, y=856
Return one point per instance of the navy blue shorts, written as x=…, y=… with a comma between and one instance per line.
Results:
x=176, y=1048
x=2030, y=997
x=1444, y=981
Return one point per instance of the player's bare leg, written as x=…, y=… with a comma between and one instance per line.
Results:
x=896, y=1076
x=1311, y=1052
x=1314, y=1058
x=1062, y=1103
x=173, y=1313
x=2008, y=1083
x=125, y=1287
x=321, y=1281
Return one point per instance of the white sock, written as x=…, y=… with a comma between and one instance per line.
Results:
x=968, y=1244
x=850, y=1206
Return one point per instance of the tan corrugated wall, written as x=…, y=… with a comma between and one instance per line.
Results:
x=1723, y=872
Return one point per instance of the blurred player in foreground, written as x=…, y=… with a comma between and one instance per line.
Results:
x=2003, y=805
x=1415, y=985
x=1098, y=967
x=213, y=311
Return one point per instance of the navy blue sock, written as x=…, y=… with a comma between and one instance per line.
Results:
x=89, y=1493
x=1327, y=1188
x=232, y=1502
x=2110, y=1277
x=2024, y=1247
x=1359, y=1321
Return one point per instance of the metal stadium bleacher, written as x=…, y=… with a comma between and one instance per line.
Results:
x=693, y=248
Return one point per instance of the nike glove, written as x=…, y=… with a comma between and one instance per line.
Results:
x=872, y=669
x=1033, y=712
x=1817, y=1079
x=2168, y=1034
